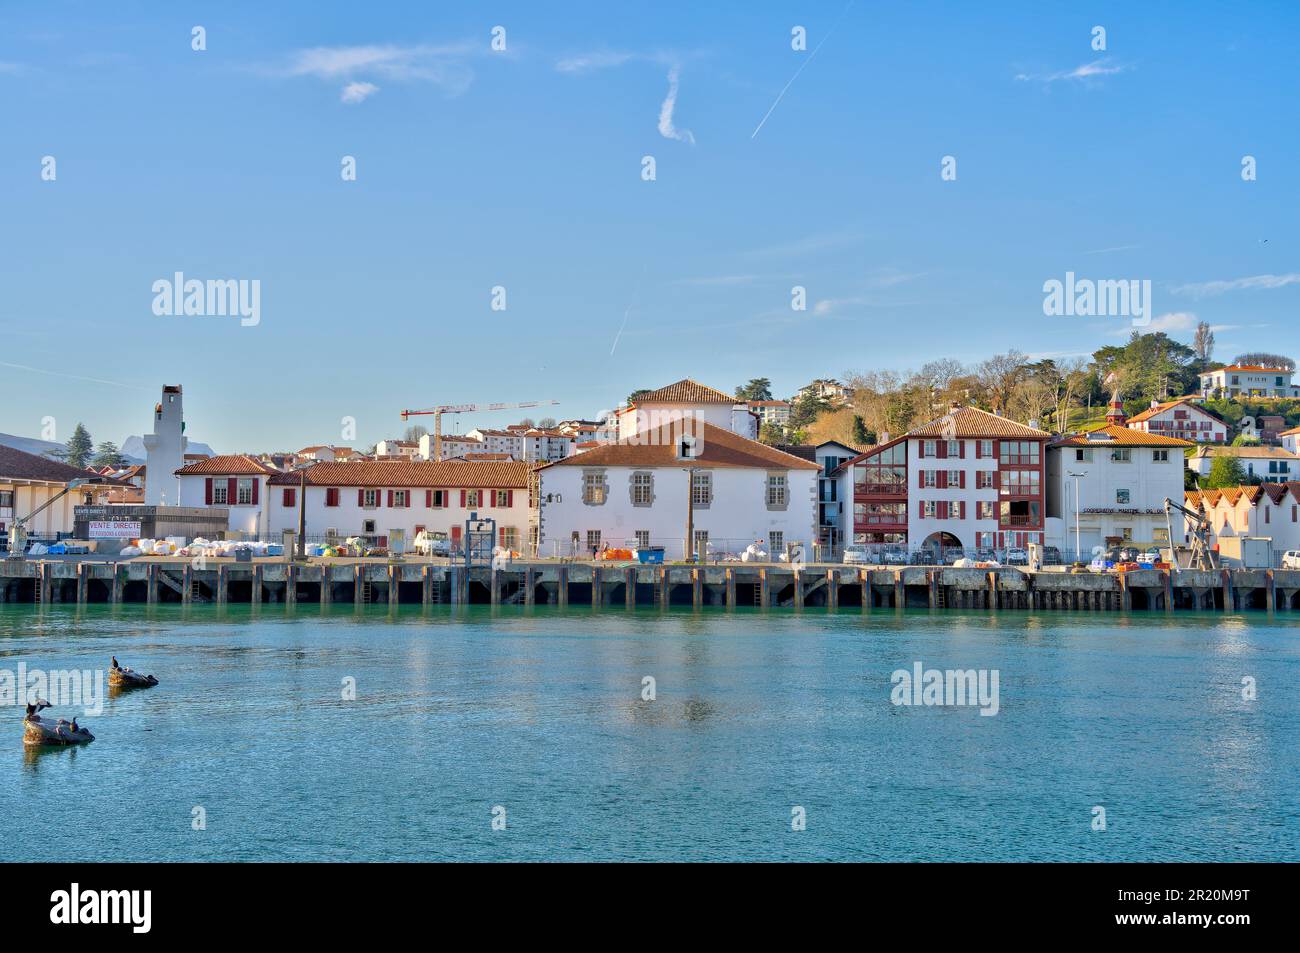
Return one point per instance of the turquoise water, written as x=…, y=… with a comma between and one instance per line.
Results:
x=540, y=712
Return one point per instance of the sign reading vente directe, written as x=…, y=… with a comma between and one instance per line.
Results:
x=114, y=529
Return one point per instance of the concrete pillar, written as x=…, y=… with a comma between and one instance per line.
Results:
x=257, y=584
x=562, y=582
x=764, y=589
x=697, y=587
x=394, y=585
x=358, y=583
x=864, y=581
x=1125, y=594
x=900, y=590
x=151, y=583
x=1228, y=605
x=832, y=589
x=326, y=596
x=798, y=588
x=664, y=587
x=993, y=590
x=932, y=578
x=1167, y=577
x=629, y=587
x=117, y=586
x=530, y=586
x=1270, y=593
x=290, y=585
x=187, y=584
x=81, y=582
x=223, y=584
x=597, y=580
x=729, y=586
x=426, y=584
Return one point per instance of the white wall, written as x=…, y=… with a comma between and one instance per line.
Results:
x=348, y=517
x=55, y=519
x=1149, y=483
x=737, y=515
x=164, y=452
x=243, y=519
x=650, y=416
x=966, y=529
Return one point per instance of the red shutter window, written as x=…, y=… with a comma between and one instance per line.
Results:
x=207, y=491
x=510, y=498
x=232, y=491
x=390, y=499
x=961, y=449
x=428, y=499
x=361, y=497
x=288, y=497
x=941, y=479
x=942, y=509
x=256, y=481
x=979, y=449
x=462, y=498
x=920, y=479
x=942, y=450
x=962, y=478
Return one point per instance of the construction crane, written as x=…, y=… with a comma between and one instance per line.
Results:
x=18, y=531
x=464, y=409
x=1202, y=556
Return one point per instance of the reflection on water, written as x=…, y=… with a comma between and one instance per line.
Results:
x=543, y=712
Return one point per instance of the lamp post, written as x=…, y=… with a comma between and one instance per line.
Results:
x=1076, y=511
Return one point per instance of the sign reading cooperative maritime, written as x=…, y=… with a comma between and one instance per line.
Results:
x=114, y=529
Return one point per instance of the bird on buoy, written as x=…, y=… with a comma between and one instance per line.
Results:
x=115, y=665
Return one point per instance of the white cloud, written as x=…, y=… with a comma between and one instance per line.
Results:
x=1092, y=70
x=443, y=66
x=358, y=92
x=588, y=62
x=666, y=127
x=1254, y=282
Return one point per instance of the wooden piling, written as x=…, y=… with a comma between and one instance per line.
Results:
x=664, y=587
x=629, y=587
x=562, y=584
x=697, y=587
x=864, y=582
x=81, y=583
x=1228, y=600
x=394, y=584
x=900, y=590
x=151, y=583
x=116, y=594
x=1270, y=592
x=764, y=589
x=326, y=595
x=257, y=584
x=187, y=584
x=832, y=590
x=223, y=584
x=798, y=588
x=729, y=587
x=530, y=586
x=597, y=580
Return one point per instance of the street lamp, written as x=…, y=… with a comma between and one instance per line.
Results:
x=1076, y=510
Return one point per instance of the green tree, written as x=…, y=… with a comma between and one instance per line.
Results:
x=758, y=388
x=772, y=434
x=862, y=438
x=79, y=448
x=633, y=397
x=807, y=409
x=107, y=455
x=1225, y=471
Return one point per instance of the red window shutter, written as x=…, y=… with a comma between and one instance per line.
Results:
x=428, y=499
x=997, y=479
x=961, y=449
x=920, y=479
x=331, y=496
x=361, y=497
x=962, y=513
x=510, y=497
x=207, y=491
x=941, y=480
x=390, y=499
x=256, y=481
x=232, y=491
x=979, y=449
x=962, y=479
x=942, y=451
x=462, y=498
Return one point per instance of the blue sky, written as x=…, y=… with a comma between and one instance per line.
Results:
x=522, y=169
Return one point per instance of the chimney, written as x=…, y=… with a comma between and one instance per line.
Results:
x=1154, y=403
x=882, y=437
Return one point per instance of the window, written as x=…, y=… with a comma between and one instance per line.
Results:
x=882, y=472
x=866, y=514
x=1122, y=497
x=290, y=497
x=1126, y=533
x=502, y=497
x=1019, y=452
x=368, y=527
x=1121, y=455
x=954, y=478
x=777, y=489
x=473, y=498
x=244, y=489
x=1160, y=456
x=7, y=498
x=701, y=541
x=593, y=488
x=954, y=448
x=985, y=540
x=928, y=510
x=593, y=540
x=984, y=510
x=1020, y=483
x=642, y=489
x=929, y=448
x=219, y=492
x=642, y=539
x=438, y=498
x=986, y=448
x=983, y=479
x=509, y=537
x=930, y=478
x=331, y=496
x=369, y=499
x=775, y=542
x=686, y=448
x=702, y=489
x=1082, y=455
x=401, y=498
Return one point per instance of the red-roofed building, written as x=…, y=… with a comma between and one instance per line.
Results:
x=1182, y=420
x=1248, y=380
x=236, y=482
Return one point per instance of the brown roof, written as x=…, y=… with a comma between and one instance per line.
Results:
x=657, y=447
x=1248, y=367
x=20, y=465
x=1255, y=452
x=687, y=391
x=236, y=464
x=1121, y=437
x=413, y=473
x=1161, y=408
x=804, y=451
x=1276, y=492
x=972, y=422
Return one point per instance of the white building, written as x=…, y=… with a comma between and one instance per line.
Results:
x=529, y=444
x=1289, y=440
x=1122, y=478
x=397, y=450
x=825, y=389
x=774, y=412
x=237, y=482
x=686, y=398
x=1268, y=464
x=371, y=499
x=1248, y=380
x=28, y=482
x=1181, y=420
x=165, y=449
x=1271, y=510
x=453, y=445
x=636, y=493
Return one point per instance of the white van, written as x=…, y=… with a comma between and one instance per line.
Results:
x=1291, y=559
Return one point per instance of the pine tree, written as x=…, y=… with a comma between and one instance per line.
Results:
x=107, y=455
x=79, y=448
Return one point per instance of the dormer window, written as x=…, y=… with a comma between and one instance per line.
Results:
x=686, y=448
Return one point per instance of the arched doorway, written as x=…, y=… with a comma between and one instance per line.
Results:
x=942, y=547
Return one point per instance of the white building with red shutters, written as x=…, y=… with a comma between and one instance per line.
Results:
x=370, y=499
x=969, y=480
x=237, y=482
x=1182, y=420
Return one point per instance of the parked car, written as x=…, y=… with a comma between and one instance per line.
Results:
x=894, y=556
x=1052, y=556
x=857, y=554
x=1151, y=556
x=1017, y=557
x=432, y=543
x=1291, y=559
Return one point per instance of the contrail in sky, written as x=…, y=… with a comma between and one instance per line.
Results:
x=798, y=71
x=75, y=377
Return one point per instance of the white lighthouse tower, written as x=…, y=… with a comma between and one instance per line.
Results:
x=165, y=449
